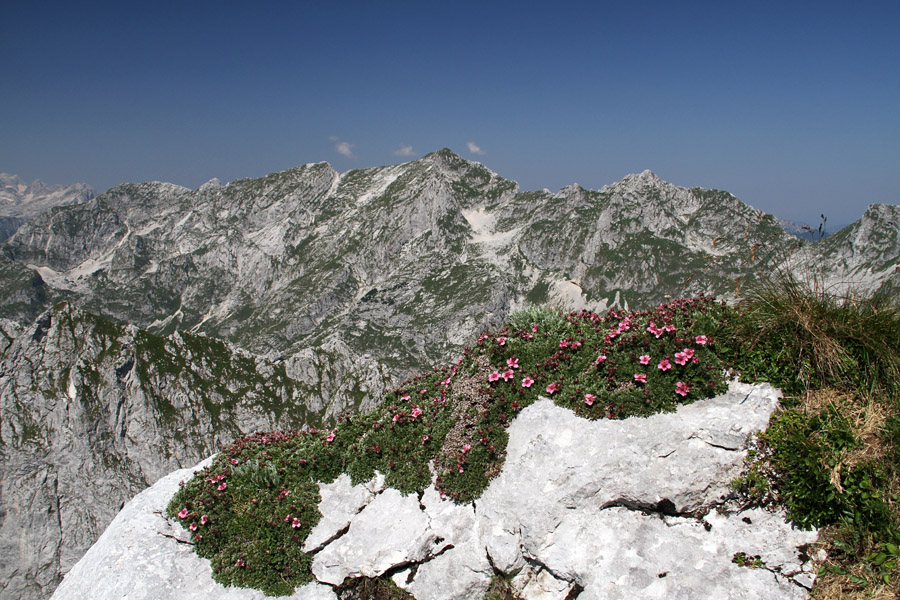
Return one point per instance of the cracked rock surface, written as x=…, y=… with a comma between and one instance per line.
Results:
x=634, y=509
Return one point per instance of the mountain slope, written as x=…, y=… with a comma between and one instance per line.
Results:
x=440, y=246
x=86, y=400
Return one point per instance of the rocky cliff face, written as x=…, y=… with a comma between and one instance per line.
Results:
x=440, y=246
x=861, y=256
x=604, y=509
x=20, y=202
x=93, y=412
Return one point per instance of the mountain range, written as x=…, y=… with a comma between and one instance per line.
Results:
x=147, y=326
x=20, y=201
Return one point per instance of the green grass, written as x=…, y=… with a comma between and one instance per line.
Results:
x=832, y=457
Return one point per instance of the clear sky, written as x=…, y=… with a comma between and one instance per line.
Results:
x=792, y=106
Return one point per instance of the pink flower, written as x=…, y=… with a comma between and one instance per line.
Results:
x=239, y=562
x=526, y=383
x=664, y=365
x=423, y=392
x=460, y=468
x=204, y=519
x=395, y=417
x=640, y=377
x=193, y=527
x=466, y=448
x=182, y=513
x=701, y=339
x=508, y=374
x=445, y=382
x=681, y=358
x=553, y=387
x=512, y=363
x=330, y=437
x=682, y=388
x=425, y=439
x=527, y=336
x=669, y=327
x=589, y=399
x=501, y=341
x=222, y=486
x=689, y=352
x=494, y=376
x=644, y=359
x=652, y=328
x=295, y=523
x=600, y=359
x=534, y=327
x=404, y=398
x=416, y=411
x=234, y=461
x=576, y=345
x=563, y=344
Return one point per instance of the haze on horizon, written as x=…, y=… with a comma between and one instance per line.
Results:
x=791, y=108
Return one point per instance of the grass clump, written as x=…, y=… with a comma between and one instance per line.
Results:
x=798, y=335
x=251, y=510
x=832, y=457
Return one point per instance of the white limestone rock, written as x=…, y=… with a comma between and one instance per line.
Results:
x=634, y=509
x=392, y=530
x=139, y=557
x=341, y=501
x=463, y=555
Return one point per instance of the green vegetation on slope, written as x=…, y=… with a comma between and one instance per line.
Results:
x=251, y=510
x=832, y=457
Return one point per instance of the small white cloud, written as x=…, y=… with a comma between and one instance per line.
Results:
x=404, y=151
x=473, y=148
x=333, y=138
x=345, y=149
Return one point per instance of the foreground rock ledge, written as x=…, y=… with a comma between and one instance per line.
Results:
x=632, y=509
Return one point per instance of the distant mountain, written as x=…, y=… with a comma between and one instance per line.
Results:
x=440, y=246
x=862, y=256
x=20, y=202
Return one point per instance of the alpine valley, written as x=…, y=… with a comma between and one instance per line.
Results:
x=145, y=328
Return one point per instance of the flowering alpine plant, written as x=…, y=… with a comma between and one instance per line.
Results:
x=447, y=427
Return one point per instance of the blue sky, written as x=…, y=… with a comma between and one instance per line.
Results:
x=792, y=106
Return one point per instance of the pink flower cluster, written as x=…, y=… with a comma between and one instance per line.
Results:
x=684, y=356
x=505, y=375
x=658, y=331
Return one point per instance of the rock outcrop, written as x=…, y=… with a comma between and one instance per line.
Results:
x=633, y=509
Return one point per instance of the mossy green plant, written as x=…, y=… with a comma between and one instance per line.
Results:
x=252, y=508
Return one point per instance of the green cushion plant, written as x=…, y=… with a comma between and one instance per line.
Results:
x=250, y=511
